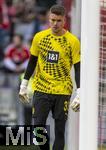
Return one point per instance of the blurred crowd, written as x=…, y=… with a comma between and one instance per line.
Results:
x=19, y=21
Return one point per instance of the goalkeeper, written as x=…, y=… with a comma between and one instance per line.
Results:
x=53, y=52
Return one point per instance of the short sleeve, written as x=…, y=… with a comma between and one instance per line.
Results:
x=76, y=52
x=34, y=50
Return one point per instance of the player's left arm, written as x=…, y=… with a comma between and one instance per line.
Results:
x=77, y=74
x=75, y=104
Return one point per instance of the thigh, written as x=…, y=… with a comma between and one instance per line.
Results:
x=61, y=107
x=40, y=107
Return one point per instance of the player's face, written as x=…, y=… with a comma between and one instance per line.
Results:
x=56, y=22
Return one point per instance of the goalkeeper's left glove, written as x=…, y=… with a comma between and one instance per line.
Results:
x=75, y=104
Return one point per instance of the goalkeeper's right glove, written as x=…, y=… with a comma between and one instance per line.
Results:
x=23, y=95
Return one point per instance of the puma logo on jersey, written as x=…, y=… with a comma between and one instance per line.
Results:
x=53, y=56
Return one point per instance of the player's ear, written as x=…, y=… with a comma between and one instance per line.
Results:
x=49, y=15
x=64, y=20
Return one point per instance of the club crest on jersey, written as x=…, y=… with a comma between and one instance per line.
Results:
x=52, y=56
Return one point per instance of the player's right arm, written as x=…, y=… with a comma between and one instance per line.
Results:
x=34, y=50
x=28, y=73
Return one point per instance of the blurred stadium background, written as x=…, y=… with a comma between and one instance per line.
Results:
x=26, y=18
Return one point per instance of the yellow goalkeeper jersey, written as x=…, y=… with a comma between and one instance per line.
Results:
x=56, y=55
